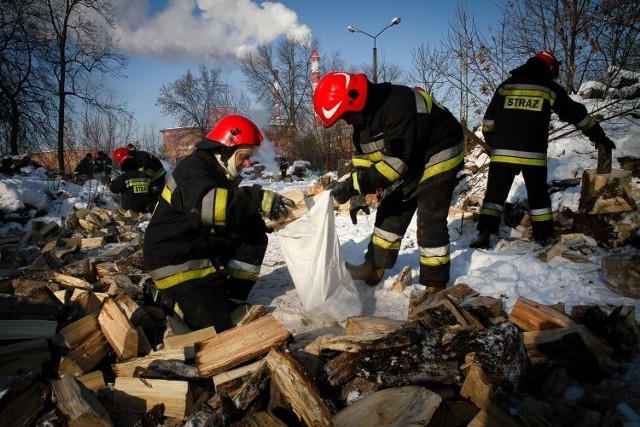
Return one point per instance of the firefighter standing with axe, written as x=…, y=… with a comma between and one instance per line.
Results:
x=516, y=127
x=403, y=139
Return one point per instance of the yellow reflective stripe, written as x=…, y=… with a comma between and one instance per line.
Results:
x=267, y=201
x=387, y=171
x=168, y=189
x=435, y=261
x=519, y=160
x=354, y=181
x=490, y=212
x=442, y=167
x=220, y=207
x=360, y=162
x=385, y=244
x=540, y=218
x=587, y=123
x=184, y=276
x=242, y=274
x=166, y=194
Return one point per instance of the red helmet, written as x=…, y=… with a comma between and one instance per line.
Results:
x=234, y=130
x=121, y=154
x=551, y=62
x=338, y=93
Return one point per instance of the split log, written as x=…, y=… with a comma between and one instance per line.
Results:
x=251, y=389
x=27, y=329
x=238, y=345
x=74, y=282
x=298, y=196
x=493, y=416
x=403, y=280
x=483, y=307
x=86, y=356
x=138, y=395
x=476, y=386
x=74, y=333
x=260, y=419
x=360, y=324
x=129, y=368
x=233, y=374
x=357, y=343
x=400, y=406
x=93, y=380
x=341, y=368
x=188, y=341
x=78, y=404
x=529, y=315
x=25, y=356
x=438, y=312
x=247, y=313
x=26, y=403
x=118, y=330
x=20, y=308
x=300, y=393
x=574, y=347
x=606, y=193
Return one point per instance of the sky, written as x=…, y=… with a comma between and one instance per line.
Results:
x=166, y=38
x=512, y=268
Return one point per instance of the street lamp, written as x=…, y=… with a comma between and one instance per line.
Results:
x=352, y=29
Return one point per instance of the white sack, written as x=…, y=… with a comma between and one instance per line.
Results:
x=312, y=253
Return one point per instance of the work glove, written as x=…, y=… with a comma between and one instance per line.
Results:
x=341, y=191
x=357, y=203
x=275, y=206
x=604, y=141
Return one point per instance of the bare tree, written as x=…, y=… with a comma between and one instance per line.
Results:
x=25, y=106
x=104, y=129
x=387, y=71
x=427, y=73
x=193, y=100
x=81, y=50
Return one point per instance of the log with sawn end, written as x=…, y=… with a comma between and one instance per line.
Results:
x=138, y=395
x=118, y=330
x=238, y=345
x=530, y=315
x=78, y=404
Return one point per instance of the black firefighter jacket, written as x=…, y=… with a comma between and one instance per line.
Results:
x=134, y=188
x=198, y=214
x=516, y=123
x=403, y=128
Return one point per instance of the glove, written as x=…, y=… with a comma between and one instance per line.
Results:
x=357, y=203
x=341, y=191
x=604, y=141
x=275, y=206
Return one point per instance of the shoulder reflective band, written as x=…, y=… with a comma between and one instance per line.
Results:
x=168, y=189
x=214, y=207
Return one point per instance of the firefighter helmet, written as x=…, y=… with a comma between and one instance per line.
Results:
x=338, y=93
x=234, y=130
x=121, y=154
x=551, y=62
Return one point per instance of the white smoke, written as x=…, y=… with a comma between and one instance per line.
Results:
x=266, y=155
x=202, y=30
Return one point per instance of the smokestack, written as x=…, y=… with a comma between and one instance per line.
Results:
x=315, y=78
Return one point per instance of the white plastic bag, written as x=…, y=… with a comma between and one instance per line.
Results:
x=312, y=253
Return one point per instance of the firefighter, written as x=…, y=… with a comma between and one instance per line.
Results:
x=516, y=127
x=409, y=147
x=133, y=184
x=103, y=167
x=207, y=238
x=84, y=169
x=152, y=167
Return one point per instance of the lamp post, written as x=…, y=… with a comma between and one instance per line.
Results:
x=352, y=29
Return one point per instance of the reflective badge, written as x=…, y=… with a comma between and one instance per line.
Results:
x=523, y=103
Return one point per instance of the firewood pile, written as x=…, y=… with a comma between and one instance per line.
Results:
x=84, y=343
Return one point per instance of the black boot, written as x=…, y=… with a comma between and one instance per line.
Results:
x=483, y=241
x=366, y=271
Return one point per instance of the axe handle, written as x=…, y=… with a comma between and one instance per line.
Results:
x=604, y=159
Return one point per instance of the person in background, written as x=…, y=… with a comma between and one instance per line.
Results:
x=103, y=167
x=152, y=167
x=207, y=238
x=284, y=165
x=84, y=169
x=408, y=147
x=516, y=127
x=133, y=185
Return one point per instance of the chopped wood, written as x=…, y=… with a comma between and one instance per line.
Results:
x=252, y=388
x=118, y=330
x=247, y=313
x=86, y=356
x=438, y=312
x=238, y=345
x=24, y=409
x=188, y=340
x=71, y=281
x=92, y=243
x=300, y=393
x=403, y=280
x=128, y=368
x=260, y=419
x=399, y=406
x=89, y=302
x=78, y=404
x=93, y=380
x=21, y=285
x=529, y=315
x=27, y=329
x=359, y=324
x=574, y=347
x=24, y=355
x=74, y=333
x=476, y=386
x=341, y=368
x=20, y=308
x=138, y=395
x=483, y=306
x=357, y=343
x=232, y=374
